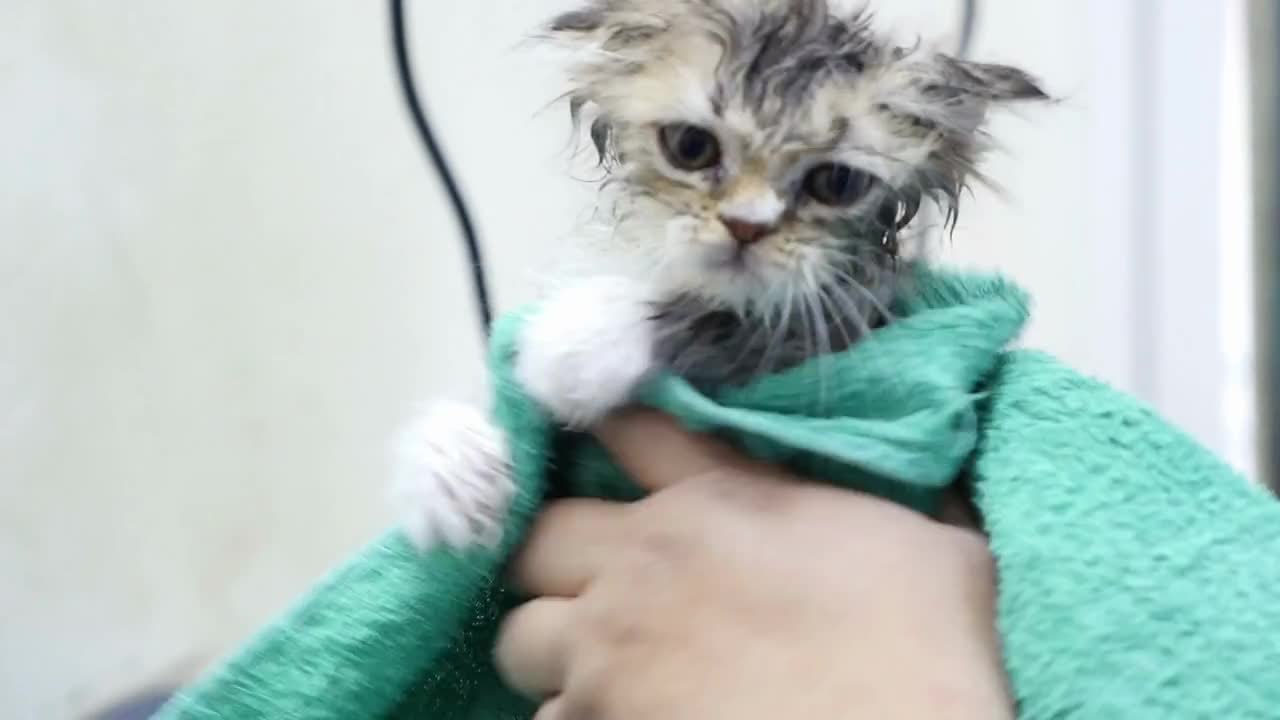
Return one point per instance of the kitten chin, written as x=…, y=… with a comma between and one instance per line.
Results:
x=712, y=339
x=712, y=347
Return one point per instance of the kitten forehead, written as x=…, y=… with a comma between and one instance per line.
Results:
x=760, y=60
x=677, y=84
x=775, y=58
x=769, y=55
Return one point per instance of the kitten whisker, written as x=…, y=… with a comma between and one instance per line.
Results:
x=876, y=302
x=822, y=348
x=854, y=313
x=778, y=336
x=829, y=303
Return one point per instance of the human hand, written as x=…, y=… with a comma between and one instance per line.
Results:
x=738, y=591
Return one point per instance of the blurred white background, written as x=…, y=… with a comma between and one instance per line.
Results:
x=227, y=274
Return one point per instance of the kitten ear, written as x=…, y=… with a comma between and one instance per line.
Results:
x=614, y=26
x=584, y=21
x=993, y=83
x=954, y=96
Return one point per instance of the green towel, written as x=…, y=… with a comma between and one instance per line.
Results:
x=1138, y=576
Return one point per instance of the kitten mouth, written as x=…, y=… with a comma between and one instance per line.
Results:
x=737, y=261
x=734, y=259
x=736, y=268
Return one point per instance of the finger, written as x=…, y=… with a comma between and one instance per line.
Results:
x=656, y=452
x=554, y=709
x=532, y=651
x=569, y=544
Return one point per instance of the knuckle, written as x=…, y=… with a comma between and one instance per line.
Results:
x=560, y=512
x=593, y=681
x=611, y=685
x=577, y=707
x=971, y=551
x=742, y=490
x=609, y=624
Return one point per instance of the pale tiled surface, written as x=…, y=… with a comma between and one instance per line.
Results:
x=225, y=278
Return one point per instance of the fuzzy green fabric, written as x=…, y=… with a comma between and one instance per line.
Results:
x=1138, y=576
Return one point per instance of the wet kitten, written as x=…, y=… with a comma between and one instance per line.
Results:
x=766, y=162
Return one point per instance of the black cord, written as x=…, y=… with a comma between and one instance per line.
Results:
x=968, y=25
x=480, y=283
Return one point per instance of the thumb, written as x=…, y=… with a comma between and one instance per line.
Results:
x=656, y=452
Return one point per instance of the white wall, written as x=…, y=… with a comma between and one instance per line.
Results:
x=226, y=274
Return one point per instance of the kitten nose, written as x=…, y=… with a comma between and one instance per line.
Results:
x=745, y=231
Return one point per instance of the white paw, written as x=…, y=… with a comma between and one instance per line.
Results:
x=586, y=350
x=452, y=480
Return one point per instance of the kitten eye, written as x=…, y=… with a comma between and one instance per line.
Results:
x=836, y=185
x=689, y=147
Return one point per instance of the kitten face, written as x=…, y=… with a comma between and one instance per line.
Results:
x=765, y=156
x=742, y=202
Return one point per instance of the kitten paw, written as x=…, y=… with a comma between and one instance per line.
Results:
x=587, y=350
x=452, y=480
